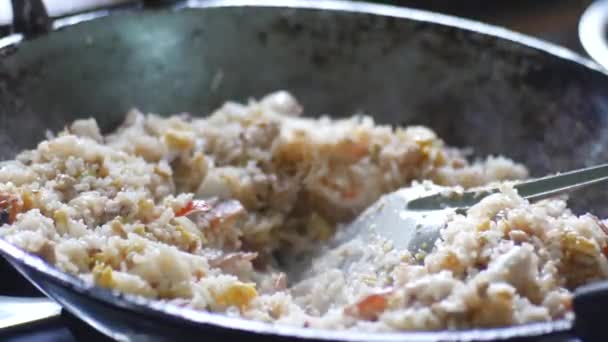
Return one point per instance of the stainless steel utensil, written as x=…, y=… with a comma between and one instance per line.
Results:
x=411, y=218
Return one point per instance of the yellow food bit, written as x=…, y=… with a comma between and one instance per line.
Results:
x=179, y=140
x=140, y=229
x=573, y=242
x=276, y=310
x=261, y=238
x=145, y=209
x=321, y=228
x=199, y=168
x=393, y=301
x=151, y=152
x=87, y=173
x=256, y=114
x=425, y=152
x=440, y=159
x=198, y=274
x=103, y=171
x=295, y=151
x=192, y=241
x=61, y=221
x=420, y=255
x=504, y=294
x=102, y=275
x=376, y=151
x=183, y=231
x=187, y=226
x=388, y=246
x=369, y=279
x=172, y=290
x=163, y=170
x=421, y=135
x=450, y=261
x=136, y=247
x=104, y=259
x=118, y=227
x=350, y=149
x=178, y=123
x=28, y=201
x=189, y=173
x=239, y=295
x=424, y=143
x=484, y=225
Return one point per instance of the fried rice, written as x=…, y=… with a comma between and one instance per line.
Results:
x=193, y=211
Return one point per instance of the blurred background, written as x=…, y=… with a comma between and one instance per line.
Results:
x=553, y=20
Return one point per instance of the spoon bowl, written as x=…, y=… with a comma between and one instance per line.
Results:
x=412, y=218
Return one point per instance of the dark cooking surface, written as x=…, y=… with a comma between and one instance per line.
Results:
x=553, y=20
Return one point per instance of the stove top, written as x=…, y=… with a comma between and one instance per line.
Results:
x=553, y=20
x=66, y=328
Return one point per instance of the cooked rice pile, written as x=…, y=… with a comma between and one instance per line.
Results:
x=191, y=210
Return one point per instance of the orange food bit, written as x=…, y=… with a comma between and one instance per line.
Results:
x=349, y=194
x=10, y=206
x=192, y=206
x=183, y=211
x=369, y=308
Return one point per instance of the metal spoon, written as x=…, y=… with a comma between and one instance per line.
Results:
x=411, y=218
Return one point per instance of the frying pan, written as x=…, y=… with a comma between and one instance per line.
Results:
x=475, y=84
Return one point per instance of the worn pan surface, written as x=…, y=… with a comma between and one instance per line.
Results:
x=477, y=85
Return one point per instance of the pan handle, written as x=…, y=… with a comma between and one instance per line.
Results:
x=30, y=17
x=590, y=307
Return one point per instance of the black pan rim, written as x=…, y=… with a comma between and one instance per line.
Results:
x=153, y=308
x=13, y=40
x=188, y=316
